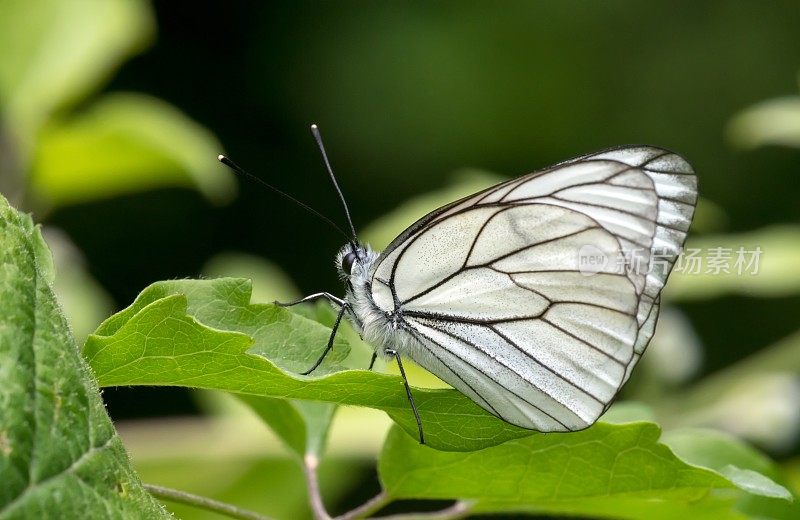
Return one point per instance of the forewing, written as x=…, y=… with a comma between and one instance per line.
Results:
x=494, y=289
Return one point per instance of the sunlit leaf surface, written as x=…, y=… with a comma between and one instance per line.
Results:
x=127, y=143
x=55, y=52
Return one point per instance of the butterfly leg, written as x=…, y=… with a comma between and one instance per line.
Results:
x=372, y=361
x=335, y=300
x=394, y=353
x=328, y=348
x=313, y=297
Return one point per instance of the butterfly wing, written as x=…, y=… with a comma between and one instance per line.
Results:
x=494, y=289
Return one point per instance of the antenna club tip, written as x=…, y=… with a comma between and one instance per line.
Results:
x=314, y=126
x=221, y=157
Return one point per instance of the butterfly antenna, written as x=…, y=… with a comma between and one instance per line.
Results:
x=315, y=132
x=236, y=168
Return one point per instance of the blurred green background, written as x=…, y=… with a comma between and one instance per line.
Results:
x=113, y=112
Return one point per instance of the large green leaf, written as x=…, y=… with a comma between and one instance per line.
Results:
x=125, y=143
x=219, y=315
x=59, y=454
x=617, y=471
x=197, y=333
x=56, y=51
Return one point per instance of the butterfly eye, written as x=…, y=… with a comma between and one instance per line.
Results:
x=347, y=262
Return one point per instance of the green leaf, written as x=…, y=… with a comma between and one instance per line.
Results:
x=270, y=282
x=195, y=327
x=792, y=470
x=775, y=121
x=714, y=450
x=302, y=425
x=44, y=258
x=125, y=143
x=59, y=454
x=56, y=52
x=197, y=333
x=605, y=471
x=743, y=465
x=754, y=482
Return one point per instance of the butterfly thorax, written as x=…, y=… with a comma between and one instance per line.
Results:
x=381, y=330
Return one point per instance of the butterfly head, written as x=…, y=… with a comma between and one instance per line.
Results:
x=354, y=259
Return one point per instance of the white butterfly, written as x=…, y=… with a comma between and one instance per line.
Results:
x=491, y=294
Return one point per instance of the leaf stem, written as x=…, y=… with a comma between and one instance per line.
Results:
x=369, y=507
x=201, y=502
x=310, y=465
x=460, y=509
